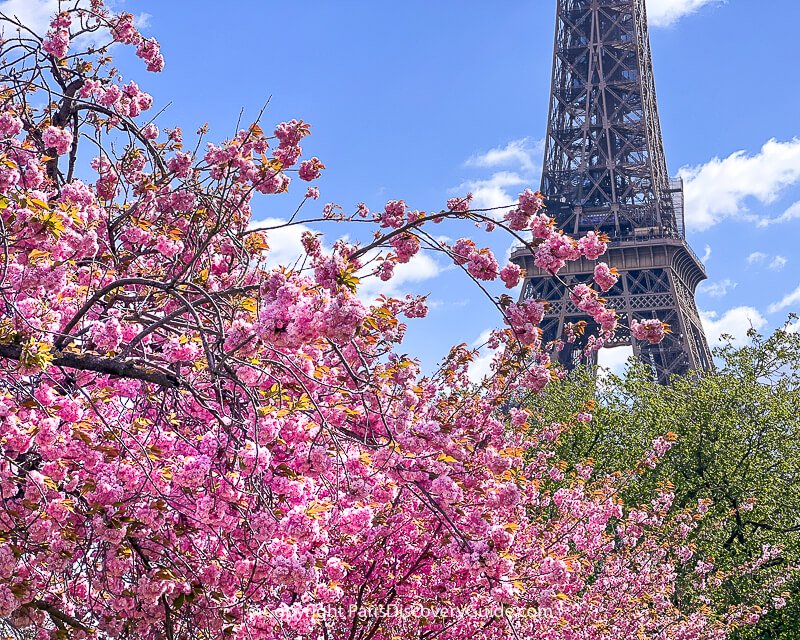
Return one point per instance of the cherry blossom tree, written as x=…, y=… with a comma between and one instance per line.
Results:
x=198, y=445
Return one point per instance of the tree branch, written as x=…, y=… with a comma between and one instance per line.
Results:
x=59, y=616
x=111, y=366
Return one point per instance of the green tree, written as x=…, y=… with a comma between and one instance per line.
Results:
x=738, y=447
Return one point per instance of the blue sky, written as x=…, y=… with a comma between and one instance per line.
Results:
x=423, y=99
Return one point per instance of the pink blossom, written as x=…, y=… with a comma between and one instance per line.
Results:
x=524, y=319
x=10, y=125
x=355, y=520
x=394, y=214
x=149, y=51
x=291, y=133
x=257, y=434
x=517, y=219
x=180, y=164
x=150, y=131
x=593, y=245
x=58, y=139
x=416, y=307
x=536, y=378
x=56, y=42
x=124, y=30
x=605, y=277
x=311, y=169
x=652, y=331
x=446, y=489
x=107, y=335
x=511, y=275
x=463, y=250
x=405, y=245
x=530, y=202
x=386, y=270
x=483, y=265
x=311, y=243
x=460, y=205
x=177, y=350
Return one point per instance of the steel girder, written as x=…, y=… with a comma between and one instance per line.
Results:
x=605, y=170
x=604, y=157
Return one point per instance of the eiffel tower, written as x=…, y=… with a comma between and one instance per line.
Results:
x=605, y=170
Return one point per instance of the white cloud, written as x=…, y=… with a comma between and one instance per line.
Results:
x=37, y=14
x=717, y=289
x=707, y=254
x=778, y=263
x=285, y=248
x=520, y=161
x=481, y=365
x=493, y=192
x=792, y=213
x=720, y=188
x=665, y=13
x=518, y=153
x=788, y=300
x=794, y=327
x=420, y=268
x=734, y=322
x=34, y=14
x=613, y=361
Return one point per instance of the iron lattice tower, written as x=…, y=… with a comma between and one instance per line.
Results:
x=605, y=170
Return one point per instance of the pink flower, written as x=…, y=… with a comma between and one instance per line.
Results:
x=593, y=245
x=511, y=275
x=58, y=139
x=652, y=331
x=524, y=319
x=149, y=51
x=56, y=42
x=460, y=205
x=447, y=490
x=463, y=250
x=311, y=243
x=10, y=125
x=394, y=214
x=405, y=245
x=291, y=133
x=386, y=270
x=607, y=319
x=150, y=131
x=555, y=251
x=537, y=378
x=123, y=29
x=180, y=164
x=107, y=335
x=585, y=298
x=483, y=265
x=177, y=350
x=416, y=307
x=530, y=202
x=167, y=247
x=109, y=95
x=311, y=169
x=355, y=520
x=517, y=219
x=605, y=277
